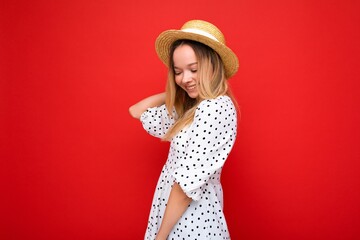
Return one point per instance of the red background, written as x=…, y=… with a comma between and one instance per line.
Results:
x=75, y=165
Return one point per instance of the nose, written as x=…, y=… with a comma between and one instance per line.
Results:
x=186, y=77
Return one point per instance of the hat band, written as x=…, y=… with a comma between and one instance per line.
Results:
x=200, y=32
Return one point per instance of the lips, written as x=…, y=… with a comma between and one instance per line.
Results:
x=191, y=88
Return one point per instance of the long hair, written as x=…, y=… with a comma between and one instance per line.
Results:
x=211, y=83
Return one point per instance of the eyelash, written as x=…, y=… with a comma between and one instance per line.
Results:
x=178, y=73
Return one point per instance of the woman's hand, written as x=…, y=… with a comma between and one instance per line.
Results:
x=153, y=101
x=160, y=238
x=176, y=206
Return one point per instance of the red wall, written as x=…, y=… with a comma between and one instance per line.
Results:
x=74, y=165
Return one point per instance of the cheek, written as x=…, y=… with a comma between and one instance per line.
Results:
x=195, y=76
x=177, y=80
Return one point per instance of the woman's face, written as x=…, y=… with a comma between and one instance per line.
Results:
x=185, y=69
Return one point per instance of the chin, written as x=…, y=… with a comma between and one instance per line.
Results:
x=193, y=95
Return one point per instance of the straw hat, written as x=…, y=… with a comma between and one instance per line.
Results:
x=200, y=31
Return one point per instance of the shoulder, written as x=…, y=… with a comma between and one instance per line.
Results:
x=218, y=104
x=220, y=108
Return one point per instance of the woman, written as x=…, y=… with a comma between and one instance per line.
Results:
x=197, y=114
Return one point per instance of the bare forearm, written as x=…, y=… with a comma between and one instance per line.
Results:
x=155, y=100
x=176, y=206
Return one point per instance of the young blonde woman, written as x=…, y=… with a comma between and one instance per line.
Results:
x=197, y=115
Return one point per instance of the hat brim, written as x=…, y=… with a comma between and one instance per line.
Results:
x=167, y=38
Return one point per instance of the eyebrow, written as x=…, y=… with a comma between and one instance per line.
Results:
x=189, y=65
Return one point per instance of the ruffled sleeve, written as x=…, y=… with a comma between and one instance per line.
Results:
x=157, y=120
x=211, y=138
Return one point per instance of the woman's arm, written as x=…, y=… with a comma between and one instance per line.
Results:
x=155, y=100
x=177, y=204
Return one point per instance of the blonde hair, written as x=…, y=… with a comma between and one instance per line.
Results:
x=211, y=80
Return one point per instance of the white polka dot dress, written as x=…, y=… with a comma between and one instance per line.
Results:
x=196, y=157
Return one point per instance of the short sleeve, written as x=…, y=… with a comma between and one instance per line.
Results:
x=211, y=138
x=157, y=120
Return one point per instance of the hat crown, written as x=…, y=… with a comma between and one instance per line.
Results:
x=202, y=32
x=204, y=28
